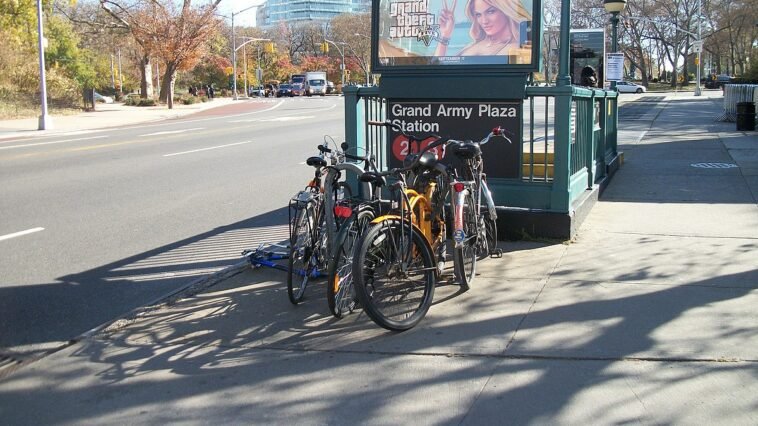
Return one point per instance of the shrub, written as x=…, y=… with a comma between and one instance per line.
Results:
x=146, y=102
x=189, y=100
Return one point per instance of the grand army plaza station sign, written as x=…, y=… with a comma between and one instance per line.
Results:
x=459, y=120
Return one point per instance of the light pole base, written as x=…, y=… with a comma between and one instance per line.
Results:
x=45, y=122
x=697, y=91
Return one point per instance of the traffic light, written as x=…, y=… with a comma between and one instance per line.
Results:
x=325, y=47
x=269, y=47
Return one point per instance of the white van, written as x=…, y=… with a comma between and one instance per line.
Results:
x=315, y=83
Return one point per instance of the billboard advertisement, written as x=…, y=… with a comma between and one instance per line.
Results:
x=455, y=33
x=461, y=121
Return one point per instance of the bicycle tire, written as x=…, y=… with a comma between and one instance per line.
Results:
x=394, y=296
x=489, y=242
x=340, y=293
x=301, y=253
x=465, y=256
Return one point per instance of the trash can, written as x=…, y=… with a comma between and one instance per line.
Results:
x=745, y=116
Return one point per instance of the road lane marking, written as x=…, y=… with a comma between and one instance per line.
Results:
x=21, y=233
x=172, y=132
x=206, y=149
x=250, y=120
x=51, y=143
x=293, y=118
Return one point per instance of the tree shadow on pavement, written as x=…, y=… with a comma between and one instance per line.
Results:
x=79, y=302
x=241, y=351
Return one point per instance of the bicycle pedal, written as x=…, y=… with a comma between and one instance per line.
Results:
x=496, y=254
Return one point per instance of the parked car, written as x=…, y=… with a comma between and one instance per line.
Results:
x=284, y=90
x=103, y=99
x=297, y=89
x=257, y=91
x=329, y=87
x=629, y=87
x=723, y=79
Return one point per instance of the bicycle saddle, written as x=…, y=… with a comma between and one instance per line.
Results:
x=373, y=177
x=467, y=150
x=316, y=162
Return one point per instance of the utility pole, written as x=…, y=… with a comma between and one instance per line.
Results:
x=699, y=46
x=45, y=122
x=244, y=54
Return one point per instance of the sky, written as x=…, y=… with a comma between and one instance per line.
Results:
x=246, y=18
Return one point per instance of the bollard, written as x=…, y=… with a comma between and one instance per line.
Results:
x=745, y=116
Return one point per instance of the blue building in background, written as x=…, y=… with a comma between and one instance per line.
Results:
x=273, y=12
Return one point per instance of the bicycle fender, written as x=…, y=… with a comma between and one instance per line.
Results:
x=398, y=218
x=341, y=235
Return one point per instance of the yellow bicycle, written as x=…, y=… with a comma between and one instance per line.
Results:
x=397, y=261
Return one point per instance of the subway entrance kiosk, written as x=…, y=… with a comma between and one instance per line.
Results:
x=459, y=68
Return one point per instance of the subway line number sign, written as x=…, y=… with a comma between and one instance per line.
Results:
x=461, y=121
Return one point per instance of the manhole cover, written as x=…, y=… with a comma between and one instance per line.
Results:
x=714, y=165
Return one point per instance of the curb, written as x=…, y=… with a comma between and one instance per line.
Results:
x=9, y=364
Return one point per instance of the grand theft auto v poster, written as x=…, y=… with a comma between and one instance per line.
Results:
x=460, y=121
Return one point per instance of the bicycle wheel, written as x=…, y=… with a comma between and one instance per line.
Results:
x=394, y=275
x=340, y=293
x=465, y=255
x=302, y=248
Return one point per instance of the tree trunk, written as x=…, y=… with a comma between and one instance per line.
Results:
x=167, y=85
x=146, y=78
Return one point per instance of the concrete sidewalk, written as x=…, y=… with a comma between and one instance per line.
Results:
x=105, y=116
x=649, y=317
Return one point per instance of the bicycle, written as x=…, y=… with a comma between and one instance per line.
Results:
x=308, y=252
x=474, y=225
x=394, y=269
x=355, y=216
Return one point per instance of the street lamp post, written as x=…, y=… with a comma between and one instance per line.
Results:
x=367, y=66
x=614, y=7
x=342, y=54
x=234, y=51
x=699, y=48
x=45, y=122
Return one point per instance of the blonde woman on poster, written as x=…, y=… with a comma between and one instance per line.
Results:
x=494, y=28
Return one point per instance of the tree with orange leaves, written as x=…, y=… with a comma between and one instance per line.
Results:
x=175, y=33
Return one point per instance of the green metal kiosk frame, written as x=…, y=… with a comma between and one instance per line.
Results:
x=564, y=160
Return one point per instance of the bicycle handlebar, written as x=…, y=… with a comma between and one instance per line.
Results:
x=497, y=131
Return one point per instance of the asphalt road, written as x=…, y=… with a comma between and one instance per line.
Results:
x=95, y=224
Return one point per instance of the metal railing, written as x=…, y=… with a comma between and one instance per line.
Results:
x=561, y=158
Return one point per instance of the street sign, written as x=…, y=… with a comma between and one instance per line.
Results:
x=229, y=70
x=614, y=66
x=697, y=46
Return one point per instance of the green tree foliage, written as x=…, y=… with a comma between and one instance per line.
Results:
x=66, y=65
